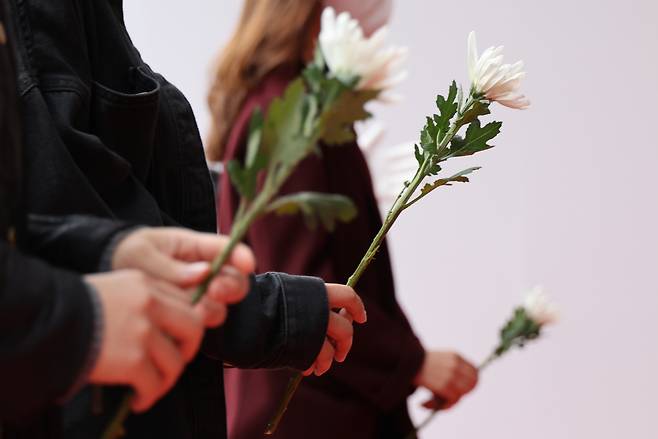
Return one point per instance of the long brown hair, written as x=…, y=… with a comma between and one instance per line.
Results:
x=270, y=34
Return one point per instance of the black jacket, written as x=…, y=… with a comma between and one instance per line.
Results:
x=106, y=136
x=46, y=314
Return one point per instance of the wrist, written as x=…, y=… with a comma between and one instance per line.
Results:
x=110, y=256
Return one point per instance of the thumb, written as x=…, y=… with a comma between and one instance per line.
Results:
x=165, y=267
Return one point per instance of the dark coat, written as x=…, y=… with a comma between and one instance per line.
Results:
x=106, y=136
x=45, y=313
x=366, y=396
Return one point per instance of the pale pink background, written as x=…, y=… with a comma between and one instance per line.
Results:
x=567, y=199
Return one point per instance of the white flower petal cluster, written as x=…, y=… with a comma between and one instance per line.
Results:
x=496, y=81
x=539, y=307
x=349, y=54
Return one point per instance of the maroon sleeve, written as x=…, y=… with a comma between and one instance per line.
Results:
x=386, y=354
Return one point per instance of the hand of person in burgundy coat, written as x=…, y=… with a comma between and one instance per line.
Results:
x=448, y=376
x=148, y=334
x=345, y=307
x=182, y=258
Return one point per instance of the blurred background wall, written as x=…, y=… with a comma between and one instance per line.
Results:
x=568, y=199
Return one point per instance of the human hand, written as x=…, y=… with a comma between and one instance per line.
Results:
x=149, y=334
x=182, y=258
x=448, y=376
x=345, y=306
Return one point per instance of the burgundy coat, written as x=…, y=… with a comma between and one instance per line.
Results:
x=365, y=397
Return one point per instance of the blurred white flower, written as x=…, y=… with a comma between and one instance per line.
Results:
x=539, y=307
x=496, y=81
x=349, y=54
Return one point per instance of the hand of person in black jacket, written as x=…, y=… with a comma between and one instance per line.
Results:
x=151, y=331
x=345, y=307
x=149, y=334
x=182, y=258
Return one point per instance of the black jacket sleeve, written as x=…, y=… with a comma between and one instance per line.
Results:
x=46, y=332
x=76, y=242
x=281, y=323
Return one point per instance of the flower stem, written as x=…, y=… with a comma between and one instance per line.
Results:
x=401, y=203
x=293, y=384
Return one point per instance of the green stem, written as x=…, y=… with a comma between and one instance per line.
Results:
x=292, y=387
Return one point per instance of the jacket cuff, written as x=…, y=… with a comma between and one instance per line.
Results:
x=306, y=308
x=105, y=263
x=75, y=242
x=281, y=323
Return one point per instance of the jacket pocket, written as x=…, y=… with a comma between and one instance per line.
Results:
x=125, y=120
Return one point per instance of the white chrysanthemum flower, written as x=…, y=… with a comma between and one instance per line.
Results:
x=349, y=54
x=496, y=81
x=539, y=307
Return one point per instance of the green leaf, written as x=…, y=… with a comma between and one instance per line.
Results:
x=429, y=135
x=316, y=207
x=245, y=178
x=419, y=155
x=283, y=128
x=435, y=168
x=457, y=178
x=476, y=139
x=517, y=331
x=240, y=179
x=255, y=158
x=447, y=110
x=476, y=110
x=315, y=76
x=338, y=120
x=311, y=109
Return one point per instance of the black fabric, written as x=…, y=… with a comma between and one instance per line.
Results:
x=108, y=137
x=45, y=313
x=46, y=322
x=270, y=331
x=75, y=242
x=10, y=151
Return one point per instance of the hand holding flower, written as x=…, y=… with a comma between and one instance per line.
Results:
x=345, y=307
x=448, y=376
